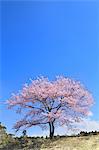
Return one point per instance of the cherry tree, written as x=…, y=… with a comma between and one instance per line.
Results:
x=48, y=104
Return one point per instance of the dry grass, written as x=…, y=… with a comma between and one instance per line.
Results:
x=73, y=143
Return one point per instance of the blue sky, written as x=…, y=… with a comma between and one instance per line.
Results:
x=48, y=38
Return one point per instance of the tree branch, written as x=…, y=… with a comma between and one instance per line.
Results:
x=29, y=106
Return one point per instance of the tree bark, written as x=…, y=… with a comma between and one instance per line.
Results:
x=51, y=129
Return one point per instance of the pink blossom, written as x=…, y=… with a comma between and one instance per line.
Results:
x=60, y=101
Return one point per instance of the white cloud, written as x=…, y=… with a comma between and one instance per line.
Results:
x=87, y=125
x=90, y=125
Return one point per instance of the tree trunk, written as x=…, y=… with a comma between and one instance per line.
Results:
x=51, y=129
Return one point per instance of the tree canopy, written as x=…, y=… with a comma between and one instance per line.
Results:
x=62, y=101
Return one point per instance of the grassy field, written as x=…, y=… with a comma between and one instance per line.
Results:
x=83, y=141
x=73, y=143
x=90, y=142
